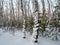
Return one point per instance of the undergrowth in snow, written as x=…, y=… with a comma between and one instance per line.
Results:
x=7, y=38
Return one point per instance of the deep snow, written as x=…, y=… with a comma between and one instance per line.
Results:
x=15, y=38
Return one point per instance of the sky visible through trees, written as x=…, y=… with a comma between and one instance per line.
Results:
x=41, y=18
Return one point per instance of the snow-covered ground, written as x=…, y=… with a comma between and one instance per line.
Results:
x=10, y=38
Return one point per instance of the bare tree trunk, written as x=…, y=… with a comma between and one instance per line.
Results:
x=12, y=17
x=6, y=15
x=43, y=16
x=24, y=31
x=1, y=12
x=36, y=24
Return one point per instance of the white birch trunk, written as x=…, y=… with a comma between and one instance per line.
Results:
x=35, y=28
x=24, y=31
x=36, y=24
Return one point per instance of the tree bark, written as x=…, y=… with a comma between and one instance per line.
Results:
x=24, y=31
x=36, y=24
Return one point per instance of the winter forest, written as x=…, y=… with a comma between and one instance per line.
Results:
x=29, y=22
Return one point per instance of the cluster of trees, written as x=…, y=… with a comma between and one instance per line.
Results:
x=37, y=16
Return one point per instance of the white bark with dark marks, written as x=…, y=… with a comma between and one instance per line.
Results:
x=36, y=24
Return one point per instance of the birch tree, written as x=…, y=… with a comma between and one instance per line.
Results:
x=1, y=12
x=43, y=21
x=36, y=24
x=24, y=31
